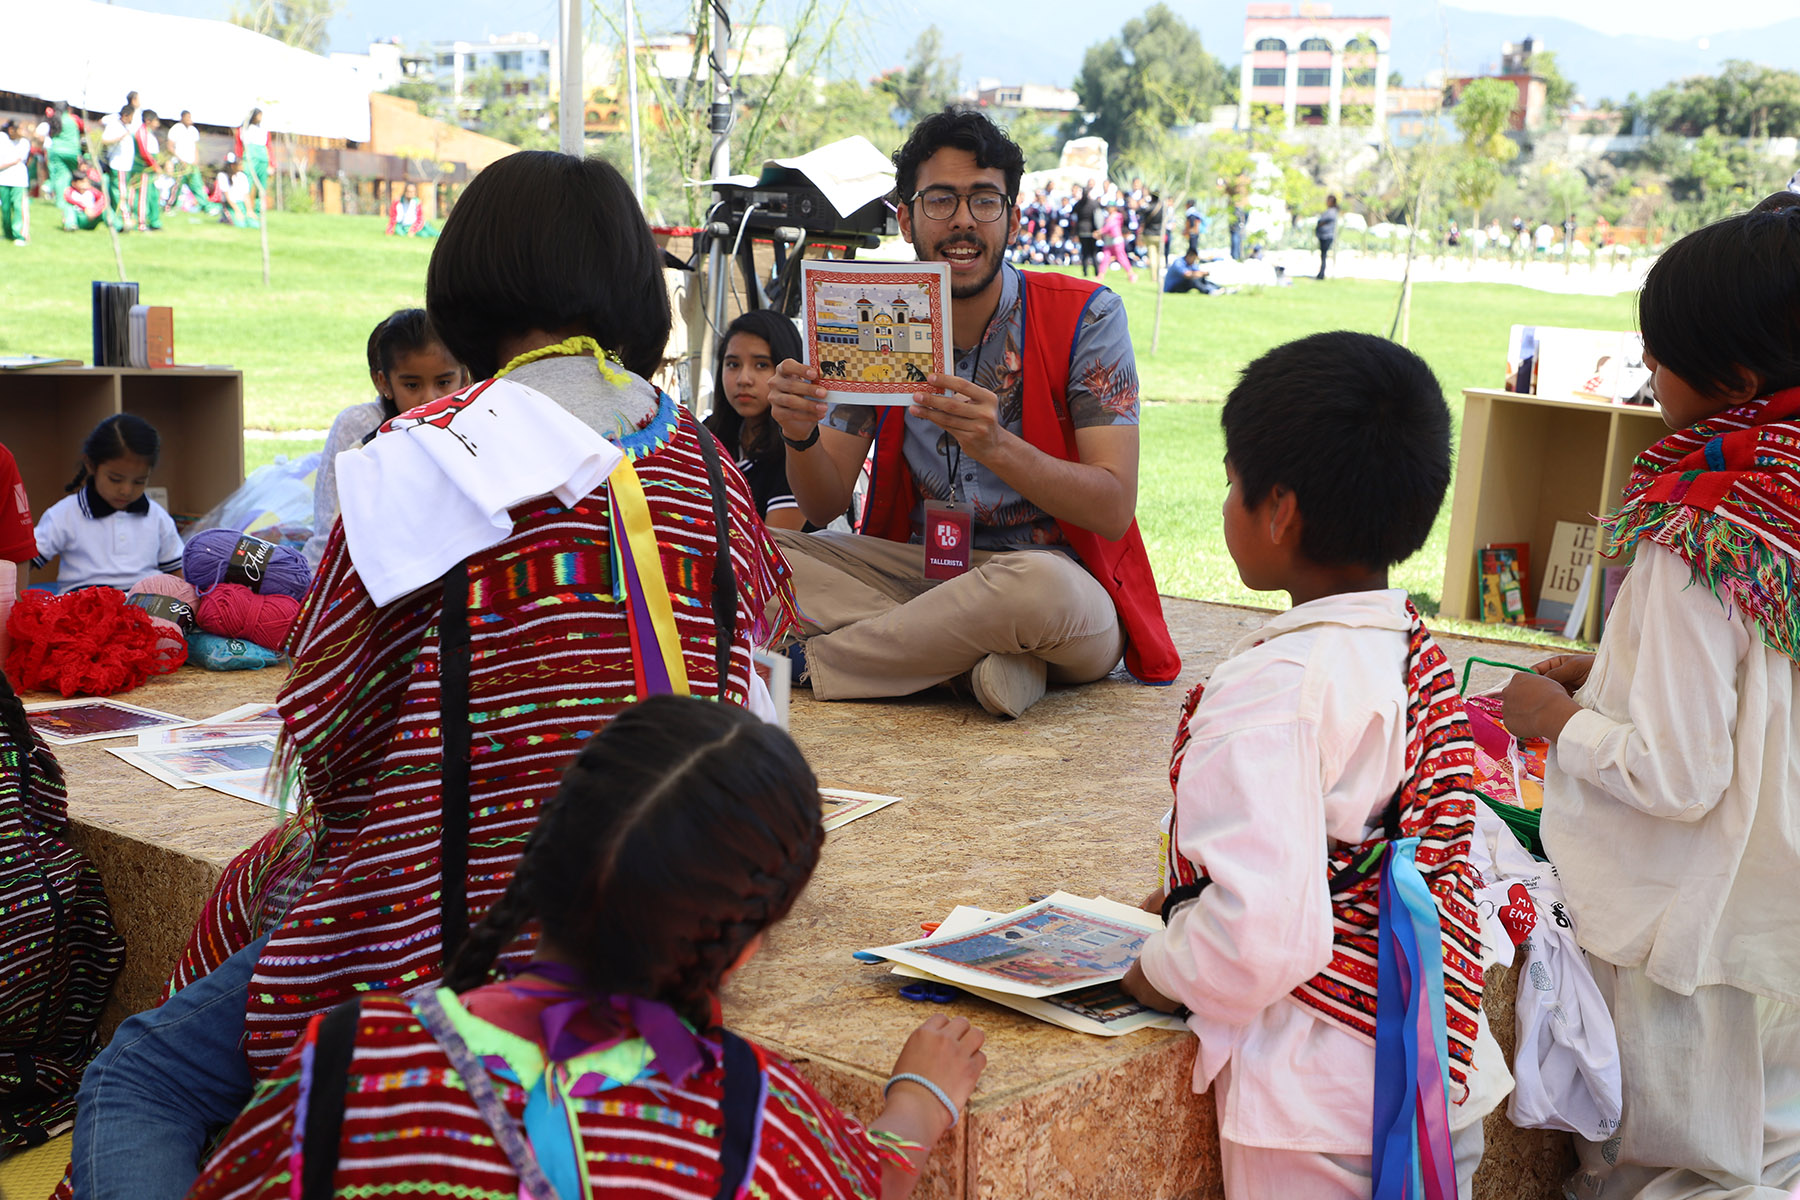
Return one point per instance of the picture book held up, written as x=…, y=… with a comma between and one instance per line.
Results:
x=875, y=330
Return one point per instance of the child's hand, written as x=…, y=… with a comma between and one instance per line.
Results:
x=1536, y=706
x=947, y=1051
x=1140, y=989
x=1570, y=670
x=1154, y=901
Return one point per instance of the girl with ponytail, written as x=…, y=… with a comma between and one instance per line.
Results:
x=683, y=832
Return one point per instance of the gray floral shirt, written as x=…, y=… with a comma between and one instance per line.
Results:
x=1103, y=390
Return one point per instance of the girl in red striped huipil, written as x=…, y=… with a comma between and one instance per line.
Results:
x=681, y=834
x=513, y=565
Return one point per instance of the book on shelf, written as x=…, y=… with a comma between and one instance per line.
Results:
x=1521, y=358
x=1567, y=577
x=152, y=336
x=1521, y=552
x=112, y=304
x=27, y=362
x=1502, y=599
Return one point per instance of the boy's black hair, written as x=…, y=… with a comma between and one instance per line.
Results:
x=1726, y=299
x=960, y=129
x=1357, y=428
x=402, y=332
x=541, y=240
x=149, y=115
x=115, y=437
x=784, y=343
x=684, y=829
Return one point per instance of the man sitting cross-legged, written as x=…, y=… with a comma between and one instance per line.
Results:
x=1036, y=434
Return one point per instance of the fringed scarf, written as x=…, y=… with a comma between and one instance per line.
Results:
x=1724, y=495
x=1436, y=807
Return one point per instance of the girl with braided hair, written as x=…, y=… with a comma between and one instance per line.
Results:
x=684, y=830
x=513, y=565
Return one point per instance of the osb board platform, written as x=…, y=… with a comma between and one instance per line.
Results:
x=995, y=813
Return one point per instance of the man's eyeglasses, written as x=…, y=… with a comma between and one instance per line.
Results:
x=940, y=204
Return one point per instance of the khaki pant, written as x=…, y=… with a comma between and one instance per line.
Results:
x=875, y=626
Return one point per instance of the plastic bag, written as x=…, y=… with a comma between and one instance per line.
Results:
x=275, y=503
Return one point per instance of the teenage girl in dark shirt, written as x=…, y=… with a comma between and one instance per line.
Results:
x=752, y=347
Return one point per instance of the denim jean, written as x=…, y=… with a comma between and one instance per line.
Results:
x=170, y=1080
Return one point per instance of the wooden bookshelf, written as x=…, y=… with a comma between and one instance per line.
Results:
x=1527, y=462
x=45, y=414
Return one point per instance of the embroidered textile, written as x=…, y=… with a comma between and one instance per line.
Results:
x=59, y=951
x=1724, y=496
x=1436, y=806
x=410, y=1128
x=550, y=662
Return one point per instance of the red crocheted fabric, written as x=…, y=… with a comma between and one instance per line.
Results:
x=89, y=642
x=550, y=663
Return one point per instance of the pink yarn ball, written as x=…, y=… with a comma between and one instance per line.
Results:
x=234, y=611
x=171, y=634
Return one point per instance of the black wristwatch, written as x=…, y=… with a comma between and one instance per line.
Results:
x=811, y=440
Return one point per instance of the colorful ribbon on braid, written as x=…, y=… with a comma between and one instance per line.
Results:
x=638, y=581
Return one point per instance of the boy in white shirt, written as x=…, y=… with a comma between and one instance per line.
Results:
x=1672, y=799
x=116, y=132
x=1322, y=772
x=15, y=184
x=184, y=146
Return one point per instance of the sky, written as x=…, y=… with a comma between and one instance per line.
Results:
x=444, y=19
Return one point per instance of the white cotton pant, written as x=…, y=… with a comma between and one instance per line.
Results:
x=1263, y=1173
x=1712, y=1096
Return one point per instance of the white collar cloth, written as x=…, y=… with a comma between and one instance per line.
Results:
x=441, y=483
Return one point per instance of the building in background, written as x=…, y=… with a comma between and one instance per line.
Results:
x=524, y=64
x=1026, y=97
x=385, y=65
x=1533, y=107
x=1314, y=66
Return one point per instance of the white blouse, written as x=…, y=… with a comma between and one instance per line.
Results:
x=1672, y=806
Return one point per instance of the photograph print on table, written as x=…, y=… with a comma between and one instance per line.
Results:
x=189, y=766
x=66, y=722
x=875, y=330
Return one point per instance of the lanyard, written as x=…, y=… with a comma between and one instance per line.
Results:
x=947, y=443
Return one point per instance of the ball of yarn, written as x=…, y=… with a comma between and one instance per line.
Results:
x=173, y=632
x=89, y=642
x=234, y=611
x=206, y=560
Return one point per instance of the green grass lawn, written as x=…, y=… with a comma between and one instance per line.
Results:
x=300, y=342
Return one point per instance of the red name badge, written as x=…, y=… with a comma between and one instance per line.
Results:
x=949, y=538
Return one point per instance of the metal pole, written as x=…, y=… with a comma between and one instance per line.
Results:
x=571, y=112
x=631, y=93
x=720, y=124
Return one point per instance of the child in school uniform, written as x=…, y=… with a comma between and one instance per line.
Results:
x=683, y=832
x=753, y=346
x=1331, y=731
x=107, y=532
x=1672, y=798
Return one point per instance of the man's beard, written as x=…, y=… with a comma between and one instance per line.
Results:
x=962, y=291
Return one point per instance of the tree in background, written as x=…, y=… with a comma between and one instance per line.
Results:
x=1744, y=99
x=1559, y=91
x=421, y=92
x=297, y=22
x=1154, y=74
x=1482, y=114
x=528, y=121
x=928, y=81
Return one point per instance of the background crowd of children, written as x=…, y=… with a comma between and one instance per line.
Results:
x=126, y=170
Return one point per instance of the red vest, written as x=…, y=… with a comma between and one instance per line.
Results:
x=1054, y=305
